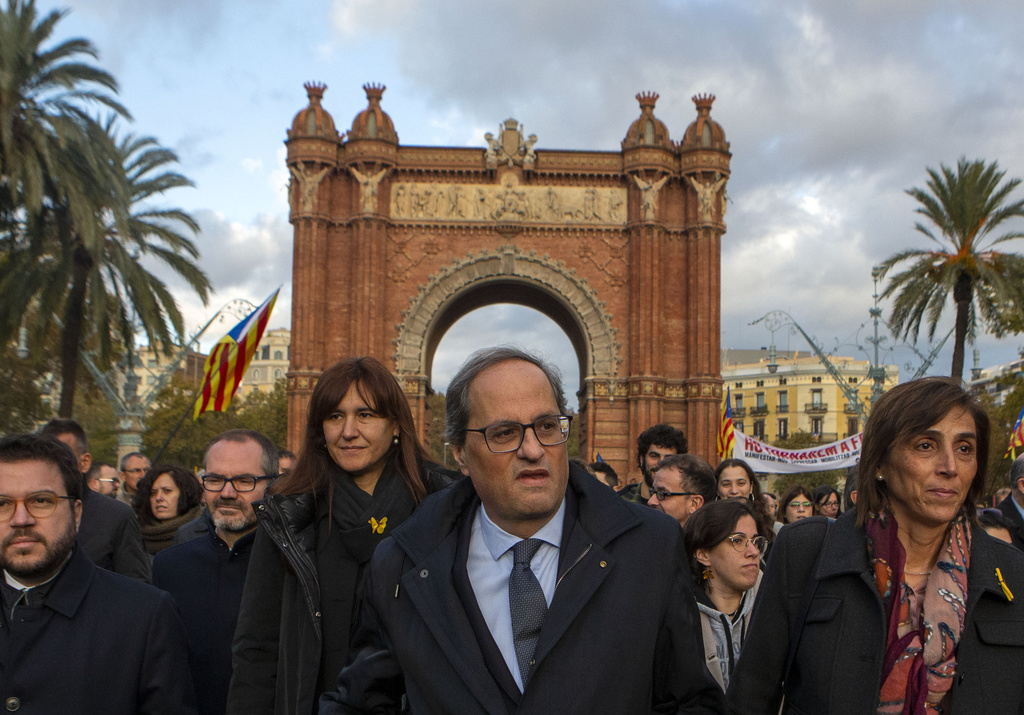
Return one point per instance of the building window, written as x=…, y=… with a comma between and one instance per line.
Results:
x=277, y=374
x=784, y=401
x=760, y=400
x=853, y=381
x=782, y=381
x=759, y=429
x=816, y=379
x=816, y=398
x=852, y=426
x=739, y=402
x=737, y=385
x=278, y=355
x=816, y=425
x=151, y=363
x=760, y=383
x=255, y=375
x=783, y=429
x=738, y=425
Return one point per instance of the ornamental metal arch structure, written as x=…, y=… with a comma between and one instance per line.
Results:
x=393, y=243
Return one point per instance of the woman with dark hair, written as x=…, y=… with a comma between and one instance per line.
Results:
x=826, y=502
x=796, y=504
x=735, y=478
x=167, y=498
x=360, y=474
x=725, y=542
x=904, y=605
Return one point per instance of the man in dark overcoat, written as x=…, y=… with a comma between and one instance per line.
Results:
x=75, y=638
x=1013, y=505
x=503, y=593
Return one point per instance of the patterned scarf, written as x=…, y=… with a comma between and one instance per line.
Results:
x=916, y=678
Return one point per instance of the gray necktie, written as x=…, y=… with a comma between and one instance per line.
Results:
x=527, y=603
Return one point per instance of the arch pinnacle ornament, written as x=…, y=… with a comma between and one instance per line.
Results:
x=417, y=333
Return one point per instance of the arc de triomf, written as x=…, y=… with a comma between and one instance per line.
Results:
x=621, y=249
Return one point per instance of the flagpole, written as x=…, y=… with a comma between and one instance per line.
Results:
x=177, y=427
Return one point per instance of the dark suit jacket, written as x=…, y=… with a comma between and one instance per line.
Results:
x=99, y=643
x=838, y=664
x=423, y=638
x=205, y=578
x=109, y=535
x=1011, y=512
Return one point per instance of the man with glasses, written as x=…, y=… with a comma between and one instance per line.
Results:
x=102, y=479
x=64, y=620
x=682, y=484
x=205, y=575
x=133, y=468
x=497, y=589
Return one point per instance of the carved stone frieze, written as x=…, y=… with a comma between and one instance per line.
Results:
x=540, y=272
x=508, y=201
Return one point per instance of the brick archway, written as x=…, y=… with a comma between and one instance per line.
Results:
x=621, y=249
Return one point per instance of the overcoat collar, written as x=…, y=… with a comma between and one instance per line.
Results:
x=71, y=585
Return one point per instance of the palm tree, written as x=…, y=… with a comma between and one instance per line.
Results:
x=101, y=287
x=965, y=208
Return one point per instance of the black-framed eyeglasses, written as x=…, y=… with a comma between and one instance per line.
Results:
x=217, y=482
x=39, y=505
x=663, y=494
x=740, y=542
x=508, y=436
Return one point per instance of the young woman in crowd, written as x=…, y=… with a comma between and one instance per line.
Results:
x=735, y=478
x=167, y=498
x=826, y=502
x=796, y=504
x=905, y=604
x=360, y=474
x=725, y=541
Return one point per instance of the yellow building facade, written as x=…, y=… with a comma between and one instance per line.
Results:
x=269, y=364
x=796, y=393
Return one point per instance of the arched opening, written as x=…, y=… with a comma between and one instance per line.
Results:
x=506, y=323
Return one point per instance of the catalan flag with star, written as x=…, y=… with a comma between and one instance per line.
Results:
x=1016, y=437
x=229, y=358
x=726, y=431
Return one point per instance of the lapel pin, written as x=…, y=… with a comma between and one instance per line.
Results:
x=1002, y=583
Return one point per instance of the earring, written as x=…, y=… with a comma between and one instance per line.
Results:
x=394, y=440
x=708, y=574
x=880, y=477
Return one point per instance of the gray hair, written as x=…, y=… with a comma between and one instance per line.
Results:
x=1016, y=471
x=268, y=461
x=457, y=397
x=125, y=458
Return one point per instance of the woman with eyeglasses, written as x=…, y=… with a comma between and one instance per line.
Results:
x=904, y=605
x=796, y=504
x=360, y=474
x=826, y=502
x=167, y=498
x=725, y=543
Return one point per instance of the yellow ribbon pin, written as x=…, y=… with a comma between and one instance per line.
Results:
x=377, y=527
x=1006, y=589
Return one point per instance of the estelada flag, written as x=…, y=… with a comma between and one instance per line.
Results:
x=229, y=358
x=1016, y=438
x=726, y=432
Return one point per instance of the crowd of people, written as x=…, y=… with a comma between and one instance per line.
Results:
x=361, y=577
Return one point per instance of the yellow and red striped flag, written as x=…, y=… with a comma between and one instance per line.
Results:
x=229, y=358
x=726, y=432
x=1016, y=438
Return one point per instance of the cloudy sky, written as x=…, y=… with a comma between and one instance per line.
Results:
x=832, y=109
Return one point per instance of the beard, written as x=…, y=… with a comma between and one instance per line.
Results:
x=45, y=565
x=245, y=520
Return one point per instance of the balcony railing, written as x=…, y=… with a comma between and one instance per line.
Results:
x=849, y=408
x=781, y=409
x=739, y=411
x=816, y=408
x=758, y=411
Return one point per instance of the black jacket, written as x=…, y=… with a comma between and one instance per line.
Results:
x=279, y=639
x=838, y=665
x=205, y=578
x=109, y=535
x=423, y=635
x=98, y=643
x=1011, y=512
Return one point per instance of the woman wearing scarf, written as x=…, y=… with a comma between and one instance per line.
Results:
x=360, y=474
x=904, y=605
